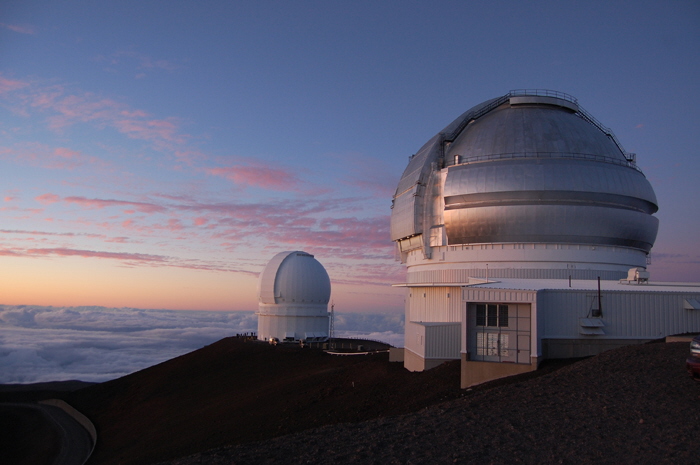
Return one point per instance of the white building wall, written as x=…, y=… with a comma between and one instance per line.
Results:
x=434, y=304
x=297, y=321
x=625, y=315
x=433, y=315
x=414, y=338
x=442, y=341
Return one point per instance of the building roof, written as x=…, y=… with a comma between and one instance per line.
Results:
x=585, y=285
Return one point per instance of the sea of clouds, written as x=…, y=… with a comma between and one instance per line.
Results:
x=96, y=344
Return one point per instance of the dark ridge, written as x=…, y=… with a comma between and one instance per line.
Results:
x=250, y=402
x=234, y=391
x=70, y=385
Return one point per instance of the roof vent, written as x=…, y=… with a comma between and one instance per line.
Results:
x=636, y=276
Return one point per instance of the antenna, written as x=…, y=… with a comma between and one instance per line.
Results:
x=331, y=333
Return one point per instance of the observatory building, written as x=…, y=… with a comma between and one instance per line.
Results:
x=526, y=229
x=293, y=294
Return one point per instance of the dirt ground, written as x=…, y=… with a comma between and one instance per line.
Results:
x=632, y=405
x=246, y=402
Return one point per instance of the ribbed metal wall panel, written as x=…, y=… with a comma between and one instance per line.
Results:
x=626, y=315
x=442, y=341
x=503, y=296
x=434, y=304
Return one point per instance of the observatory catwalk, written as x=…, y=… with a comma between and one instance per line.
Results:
x=526, y=228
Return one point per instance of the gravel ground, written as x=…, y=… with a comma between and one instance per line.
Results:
x=631, y=405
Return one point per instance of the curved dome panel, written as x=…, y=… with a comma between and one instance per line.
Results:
x=549, y=180
x=294, y=277
x=552, y=224
x=532, y=130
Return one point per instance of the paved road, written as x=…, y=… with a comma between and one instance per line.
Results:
x=75, y=441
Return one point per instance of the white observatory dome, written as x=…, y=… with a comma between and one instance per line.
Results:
x=294, y=277
x=293, y=294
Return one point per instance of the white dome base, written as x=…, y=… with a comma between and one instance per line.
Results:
x=293, y=323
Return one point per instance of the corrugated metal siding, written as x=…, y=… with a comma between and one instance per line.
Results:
x=463, y=275
x=434, y=304
x=471, y=294
x=626, y=315
x=414, y=338
x=442, y=341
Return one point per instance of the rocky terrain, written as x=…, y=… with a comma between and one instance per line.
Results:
x=631, y=405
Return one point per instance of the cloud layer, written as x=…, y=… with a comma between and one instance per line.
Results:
x=96, y=344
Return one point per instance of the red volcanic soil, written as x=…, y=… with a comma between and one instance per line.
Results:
x=634, y=405
x=234, y=392
x=247, y=402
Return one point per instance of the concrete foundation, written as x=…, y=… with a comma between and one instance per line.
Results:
x=396, y=354
x=575, y=348
x=414, y=362
x=477, y=372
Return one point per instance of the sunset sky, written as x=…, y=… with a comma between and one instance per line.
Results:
x=156, y=154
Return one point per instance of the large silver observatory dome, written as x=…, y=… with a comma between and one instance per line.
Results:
x=527, y=167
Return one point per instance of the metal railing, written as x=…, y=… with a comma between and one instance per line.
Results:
x=543, y=93
x=464, y=160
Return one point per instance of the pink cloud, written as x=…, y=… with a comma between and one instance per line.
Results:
x=151, y=130
x=144, y=61
x=174, y=225
x=58, y=158
x=118, y=240
x=199, y=221
x=189, y=156
x=129, y=259
x=48, y=199
x=45, y=98
x=133, y=114
x=66, y=252
x=21, y=28
x=380, y=181
x=8, y=85
x=67, y=153
x=9, y=253
x=259, y=175
x=142, y=207
x=88, y=107
x=85, y=108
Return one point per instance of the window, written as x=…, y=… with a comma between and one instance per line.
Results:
x=492, y=344
x=492, y=315
x=499, y=332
